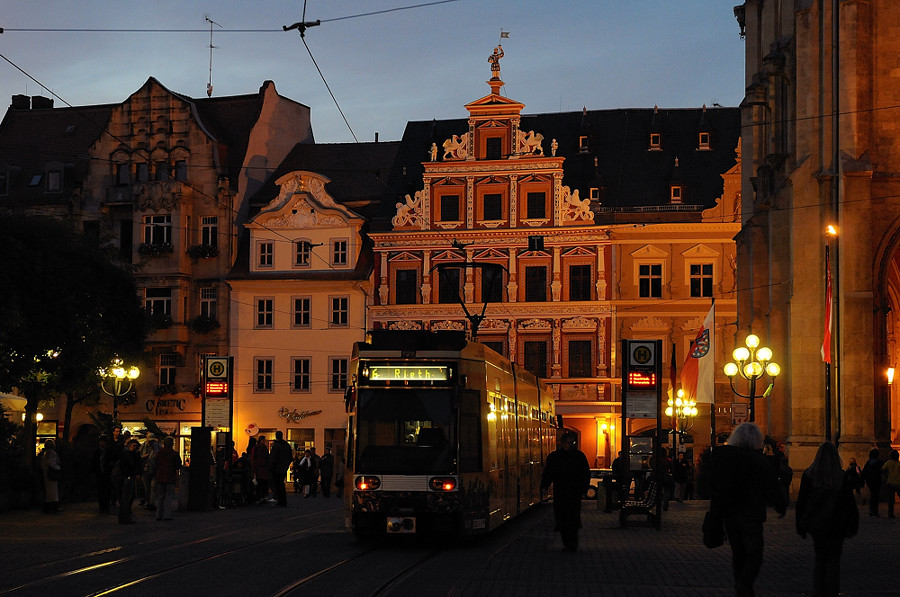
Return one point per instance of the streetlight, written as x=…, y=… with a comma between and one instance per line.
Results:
x=682, y=412
x=753, y=361
x=122, y=380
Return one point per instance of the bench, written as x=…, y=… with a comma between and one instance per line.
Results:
x=644, y=506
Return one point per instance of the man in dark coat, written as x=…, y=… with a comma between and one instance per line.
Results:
x=326, y=471
x=871, y=474
x=742, y=483
x=280, y=457
x=568, y=470
x=129, y=472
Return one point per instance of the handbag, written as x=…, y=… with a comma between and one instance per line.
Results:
x=53, y=474
x=713, y=530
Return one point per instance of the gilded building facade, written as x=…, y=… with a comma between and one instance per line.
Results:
x=555, y=236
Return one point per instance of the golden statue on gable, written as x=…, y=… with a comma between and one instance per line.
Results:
x=494, y=59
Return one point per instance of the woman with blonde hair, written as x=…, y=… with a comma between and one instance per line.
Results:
x=826, y=509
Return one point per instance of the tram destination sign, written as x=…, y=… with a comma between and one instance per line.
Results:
x=408, y=373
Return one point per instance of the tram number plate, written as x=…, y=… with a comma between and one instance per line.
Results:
x=401, y=524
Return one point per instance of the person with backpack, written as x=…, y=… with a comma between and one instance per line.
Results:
x=826, y=509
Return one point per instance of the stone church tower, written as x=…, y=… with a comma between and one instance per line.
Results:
x=820, y=147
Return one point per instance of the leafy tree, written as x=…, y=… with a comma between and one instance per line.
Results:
x=67, y=308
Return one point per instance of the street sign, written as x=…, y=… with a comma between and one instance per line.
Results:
x=216, y=368
x=740, y=413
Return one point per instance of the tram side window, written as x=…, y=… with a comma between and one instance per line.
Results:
x=470, y=432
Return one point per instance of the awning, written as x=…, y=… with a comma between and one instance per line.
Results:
x=12, y=403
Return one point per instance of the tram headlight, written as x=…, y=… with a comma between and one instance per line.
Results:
x=367, y=483
x=442, y=483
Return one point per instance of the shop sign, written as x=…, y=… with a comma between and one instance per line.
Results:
x=165, y=406
x=294, y=416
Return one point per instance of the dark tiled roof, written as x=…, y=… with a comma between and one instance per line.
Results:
x=358, y=172
x=30, y=139
x=629, y=174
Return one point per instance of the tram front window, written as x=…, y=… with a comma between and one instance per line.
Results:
x=405, y=432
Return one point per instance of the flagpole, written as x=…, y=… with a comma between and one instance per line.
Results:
x=828, y=348
x=712, y=403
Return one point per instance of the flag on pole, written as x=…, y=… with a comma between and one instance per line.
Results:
x=673, y=375
x=826, y=342
x=698, y=375
x=504, y=34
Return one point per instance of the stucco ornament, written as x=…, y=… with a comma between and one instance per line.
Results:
x=529, y=143
x=410, y=213
x=456, y=147
x=574, y=207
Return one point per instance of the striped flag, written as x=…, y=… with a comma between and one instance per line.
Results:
x=826, y=342
x=698, y=376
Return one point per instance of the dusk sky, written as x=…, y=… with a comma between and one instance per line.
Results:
x=384, y=69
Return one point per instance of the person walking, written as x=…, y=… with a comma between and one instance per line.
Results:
x=891, y=470
x=259, y=466
x=621, y=471
x=101, y=466
x=568, y=471
x=826, y=509
x=741, y=482
x=854, y=476
x=280, y=457
x=52, y=469
x=167, y=464
x=326, y=471
x=129, y=469
x=117, y=445
x=304, y=470
x=314, y=472
x=871, y=474
x=149, y=449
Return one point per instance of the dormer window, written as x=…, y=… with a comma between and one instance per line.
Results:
x=655, y=142
x=54, y=181
x=703, y=141
x=582, y=143
x=675, y=193
x=595, y=194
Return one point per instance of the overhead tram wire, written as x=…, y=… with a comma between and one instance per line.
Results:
x=100, y=30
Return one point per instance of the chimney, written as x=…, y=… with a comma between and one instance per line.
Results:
x=376, y=136
x=21, y=102
x=39, y=102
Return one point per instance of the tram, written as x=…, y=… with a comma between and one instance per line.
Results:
x=444, y=435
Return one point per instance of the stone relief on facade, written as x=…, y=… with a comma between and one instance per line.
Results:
x=456, y=147
x=494, y=324
x=404, y=325
x=529, y=143
x=650, y=323
x=579, y=323
x=574, y=208
x=411, y=212
x=156, y=196
x=448, y=325
x=534, y=324
x=692, y=325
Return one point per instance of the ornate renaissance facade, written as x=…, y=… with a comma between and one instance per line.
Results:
x=554, y=236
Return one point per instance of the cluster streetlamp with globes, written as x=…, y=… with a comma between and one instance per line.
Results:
x=682, y=412
x=122, y=380
x=752, y=362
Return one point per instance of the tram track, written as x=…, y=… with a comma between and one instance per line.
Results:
x=344, y=567
x=139, y=552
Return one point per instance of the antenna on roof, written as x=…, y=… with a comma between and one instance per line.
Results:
x=209, y=86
